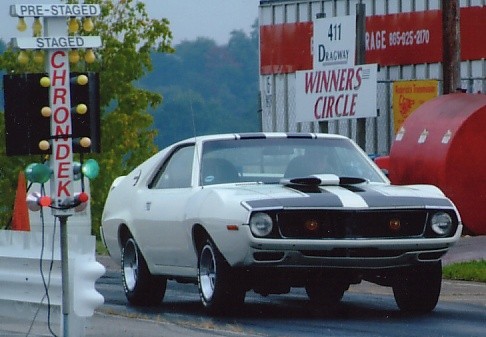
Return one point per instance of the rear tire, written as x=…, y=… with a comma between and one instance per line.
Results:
x=219, y=289
x=140, y=286
x=419, y=288
x=326, y=292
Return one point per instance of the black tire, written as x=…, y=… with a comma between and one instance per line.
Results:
x=140, y=286
x=419, y=288
x=219, y=289
x=326, y=292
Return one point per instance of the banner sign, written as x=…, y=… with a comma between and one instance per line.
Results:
x=334, y=41
x=409, y=95
x=405, y=38
x=392, y=39
x=285, y=48
x=336, y=93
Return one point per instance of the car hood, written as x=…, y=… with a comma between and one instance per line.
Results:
x=364, y=195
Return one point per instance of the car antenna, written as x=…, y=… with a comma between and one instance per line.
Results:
x=194, y=130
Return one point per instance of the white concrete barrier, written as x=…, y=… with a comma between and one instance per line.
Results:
x=22, y=286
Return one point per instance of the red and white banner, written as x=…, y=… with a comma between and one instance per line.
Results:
x=393, y=39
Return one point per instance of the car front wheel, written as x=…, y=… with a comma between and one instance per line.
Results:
x=218, y=287
x=418, y=289
x=140, y=286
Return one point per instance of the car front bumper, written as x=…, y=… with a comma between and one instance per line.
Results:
x=347, y=253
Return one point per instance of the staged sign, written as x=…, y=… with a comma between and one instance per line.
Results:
x=336, y=93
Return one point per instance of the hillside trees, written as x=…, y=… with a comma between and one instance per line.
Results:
x=129, y=38
x=207, y=88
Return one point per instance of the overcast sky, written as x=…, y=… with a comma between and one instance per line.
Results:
x=188, y=18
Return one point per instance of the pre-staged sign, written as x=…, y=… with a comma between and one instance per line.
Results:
x=53, y=10
x=336, y=93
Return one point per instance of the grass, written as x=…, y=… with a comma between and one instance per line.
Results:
x=100, y=248
x=466, y=271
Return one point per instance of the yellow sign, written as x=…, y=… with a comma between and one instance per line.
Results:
x=409, y=95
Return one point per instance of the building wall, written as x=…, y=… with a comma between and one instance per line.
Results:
x=278, y=87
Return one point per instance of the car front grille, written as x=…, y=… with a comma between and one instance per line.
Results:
x=353, y=224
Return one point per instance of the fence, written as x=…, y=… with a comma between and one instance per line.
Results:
x=278, y=112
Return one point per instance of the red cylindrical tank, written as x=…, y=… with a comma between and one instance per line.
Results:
x=443, y=143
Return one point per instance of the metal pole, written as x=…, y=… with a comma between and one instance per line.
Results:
x=360, y=59
x=323, y=125
x=66, y=305
x=451, y=50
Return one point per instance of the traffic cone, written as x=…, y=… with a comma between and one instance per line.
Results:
x=20, y=217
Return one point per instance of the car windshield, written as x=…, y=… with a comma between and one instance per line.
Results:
x=271, y=159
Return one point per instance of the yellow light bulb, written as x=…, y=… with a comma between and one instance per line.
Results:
x=81, y=109
x=44, y=145
x=85, y=142
x=23, y=57
x=21, y=25
x=39, y=56
x=88, y=24
x=46, y=111
x=82, y=80
x=45, y=82
x=74, y=56
x=73, y=25
x=37, y=27
x=89, y=57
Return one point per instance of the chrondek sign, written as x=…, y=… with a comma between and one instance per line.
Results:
x=336, y=93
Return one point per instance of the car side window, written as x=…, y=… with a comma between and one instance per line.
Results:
x=176, y=172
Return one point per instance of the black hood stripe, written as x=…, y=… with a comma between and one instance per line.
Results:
x=324, y=198
x=376, y=199
x=311, y=200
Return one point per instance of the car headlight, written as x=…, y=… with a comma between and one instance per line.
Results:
x=441, y=223
x=261, y=224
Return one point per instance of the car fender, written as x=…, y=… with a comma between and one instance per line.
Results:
x=224, y=220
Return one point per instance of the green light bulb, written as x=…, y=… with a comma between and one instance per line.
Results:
x=91, y=169
x=38, y=173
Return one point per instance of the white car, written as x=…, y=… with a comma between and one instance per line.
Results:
x=271, y=211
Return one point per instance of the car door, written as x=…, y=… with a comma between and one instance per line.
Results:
x=166, y=238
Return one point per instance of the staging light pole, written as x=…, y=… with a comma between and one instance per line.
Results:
x=55, y=27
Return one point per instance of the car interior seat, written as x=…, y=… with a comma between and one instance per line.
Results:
x=218, y=171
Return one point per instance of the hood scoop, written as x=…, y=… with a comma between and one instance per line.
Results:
x=322, y=180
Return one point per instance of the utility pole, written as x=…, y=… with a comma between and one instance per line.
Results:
x=451, y=42
x=361, y=59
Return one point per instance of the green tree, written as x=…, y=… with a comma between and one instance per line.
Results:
x=129, y=38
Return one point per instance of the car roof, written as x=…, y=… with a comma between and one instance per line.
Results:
x=261, y=135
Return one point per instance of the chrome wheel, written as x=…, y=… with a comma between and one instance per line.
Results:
x=207, y=272
x=140, y=286
x=218, y=286
x=130, y=265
